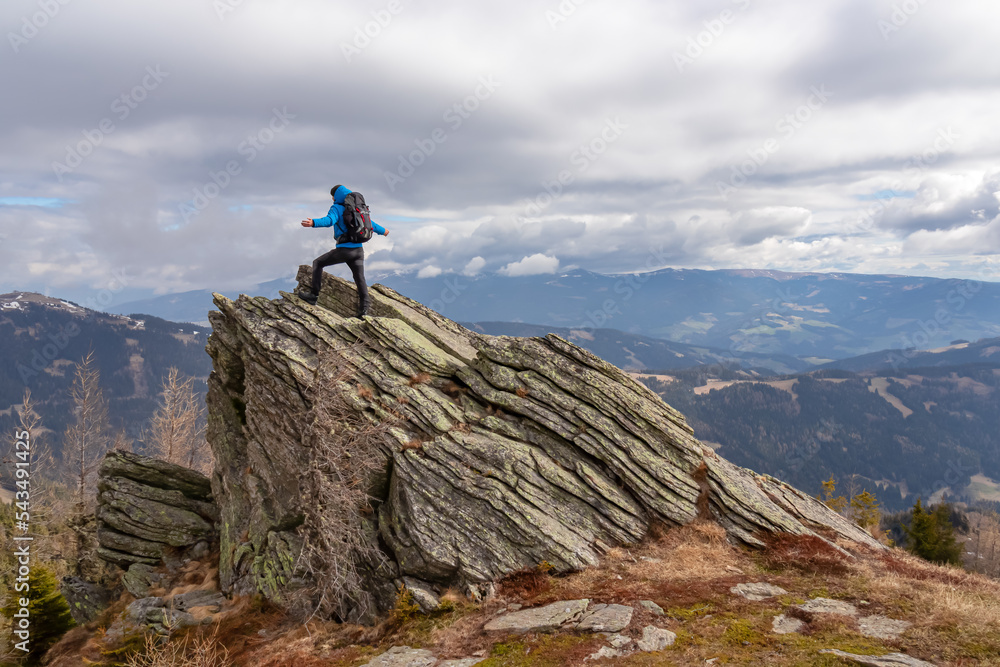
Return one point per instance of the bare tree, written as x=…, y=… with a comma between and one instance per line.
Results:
x=177, y=430
x=86, y=442
x=37, y=454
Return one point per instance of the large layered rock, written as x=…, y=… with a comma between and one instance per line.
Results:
x=149, y=510
x=503, y=453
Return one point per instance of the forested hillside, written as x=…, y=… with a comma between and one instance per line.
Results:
x=44, y=338
x=901, y=436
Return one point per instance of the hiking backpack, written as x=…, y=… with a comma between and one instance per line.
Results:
x=357, y=220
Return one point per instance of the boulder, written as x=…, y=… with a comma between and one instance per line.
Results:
x=86, y=600
x=655, y=639
x=497, y=453
x=549, y=618
x=606, y=618
x=149, y=510
x=757, y=591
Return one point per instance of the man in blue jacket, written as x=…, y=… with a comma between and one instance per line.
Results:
x=352, y=254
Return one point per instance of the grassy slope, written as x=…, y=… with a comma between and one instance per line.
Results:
x=688, y=572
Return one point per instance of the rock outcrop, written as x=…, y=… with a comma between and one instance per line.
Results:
x=498, y=453
x=151, y=513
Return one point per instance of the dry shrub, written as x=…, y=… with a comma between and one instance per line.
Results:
x=349, y=448
x=419, y=378
x=186, y=652
x=453, y=389
x=526, y=584
x=806, y=553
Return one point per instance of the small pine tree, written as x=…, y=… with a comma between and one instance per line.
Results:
x=49, y=615
x=838, y=504
x=865, y=511
x=921, y=534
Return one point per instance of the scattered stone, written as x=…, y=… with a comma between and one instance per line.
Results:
x=784, y=625
x=655, y=639
x=404, y=656
x=734, y=569
x=649, y=605
x=651, y=560
x=882, y=627
x=192, y=599
x=890, y=660
x=828, y=606
x=539, y=619
x=619, y=641
x=464, y=662
x=606, y=618
x=422, y=594
x=606, y=652
x=139, y=578
x=515, y=607
x=86, y=600
x=480, y=592
x=757, y=591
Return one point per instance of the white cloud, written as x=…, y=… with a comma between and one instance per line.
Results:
x=529, y=266
x=429, y=271
x=474, y=266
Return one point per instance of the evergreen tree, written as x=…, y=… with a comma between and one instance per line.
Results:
x=948, y=550
x=48, y=615
x=931, y=535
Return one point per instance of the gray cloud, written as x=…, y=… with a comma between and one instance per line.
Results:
x=534, y=104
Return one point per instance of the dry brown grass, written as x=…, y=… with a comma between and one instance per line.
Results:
x=419, y=378
x=807, y=553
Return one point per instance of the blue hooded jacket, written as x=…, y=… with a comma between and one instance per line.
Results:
x=335, y=218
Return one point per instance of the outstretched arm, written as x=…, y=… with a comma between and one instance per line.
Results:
x=379, y=229
x=308, y=223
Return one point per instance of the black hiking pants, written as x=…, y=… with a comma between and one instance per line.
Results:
x=355, y=260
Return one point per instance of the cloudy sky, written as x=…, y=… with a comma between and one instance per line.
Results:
x=179, y=143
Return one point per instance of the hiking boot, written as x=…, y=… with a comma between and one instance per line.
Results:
x=308, y=297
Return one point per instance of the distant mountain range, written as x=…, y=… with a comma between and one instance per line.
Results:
x=902, y=434
x=633, y=352
x=901, y=427
x=43, y=338
x=815, y=317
